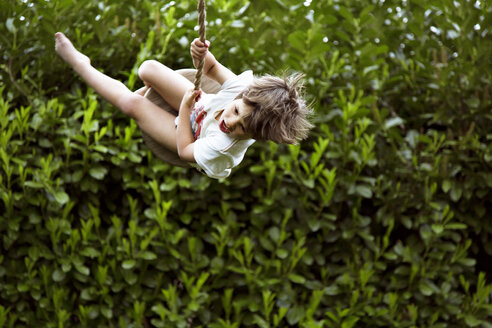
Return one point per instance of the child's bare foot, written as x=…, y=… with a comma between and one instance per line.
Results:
x=67, y=51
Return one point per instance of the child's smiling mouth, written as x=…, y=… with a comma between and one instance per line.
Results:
x=224, y=128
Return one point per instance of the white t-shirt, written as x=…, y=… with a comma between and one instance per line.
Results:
x=215, y=152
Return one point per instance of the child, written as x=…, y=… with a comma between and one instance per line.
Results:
x=223, y=126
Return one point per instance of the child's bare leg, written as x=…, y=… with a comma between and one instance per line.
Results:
x=168, y=83
x=110, y=89
x=153, y=120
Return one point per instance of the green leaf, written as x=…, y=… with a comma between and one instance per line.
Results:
x=22, y=287
x=329, y=19
x=314, y=223
x=332, y=290
x=393, y=122
x=101, y=148
x=437, y=228
x=295, y=314
x=33, y=184
x=282, y=253
x=473, y=102
x=147, y=255
x=237, y=24
x=10, y=25
x=349, y=322
x=274, y=233
x=456, y=226
x=90, y=252
x=58, y=275
x=45, y=143
x=308, y=183
x=82, y=269
x=471, y=321
x=364, y=191
x=298, y=40
x=106, y=312
x=87, y=294
x=128, y=264
x=446, y=185
x=262, y=323
x=369, y=69
x=425, y=232
x=98, y=172
x=296, y=278
x=456, y=192
x=130, y=277
x=346, y=13
x=467, y=262
x=61, y=197
x=425, y=288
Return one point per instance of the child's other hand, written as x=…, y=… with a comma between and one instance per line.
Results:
x=198, y=50
x=190, y=97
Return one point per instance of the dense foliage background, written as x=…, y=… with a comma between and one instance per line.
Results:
x=380, y=219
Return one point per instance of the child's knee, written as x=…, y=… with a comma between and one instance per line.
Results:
x=146, y=69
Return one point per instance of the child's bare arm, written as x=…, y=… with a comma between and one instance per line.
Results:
x=211, y=67
x=184, y=136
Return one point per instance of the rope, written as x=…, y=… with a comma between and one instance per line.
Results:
x=201, y=33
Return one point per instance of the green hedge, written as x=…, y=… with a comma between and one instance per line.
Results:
x=380, y=219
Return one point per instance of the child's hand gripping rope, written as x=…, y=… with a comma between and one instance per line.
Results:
x=199, y=51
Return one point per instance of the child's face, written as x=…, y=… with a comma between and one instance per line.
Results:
x=231, y=119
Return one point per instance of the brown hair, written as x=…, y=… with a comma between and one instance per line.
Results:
x=279, y=111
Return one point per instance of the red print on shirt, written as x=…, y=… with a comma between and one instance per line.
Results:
x=197, y=117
